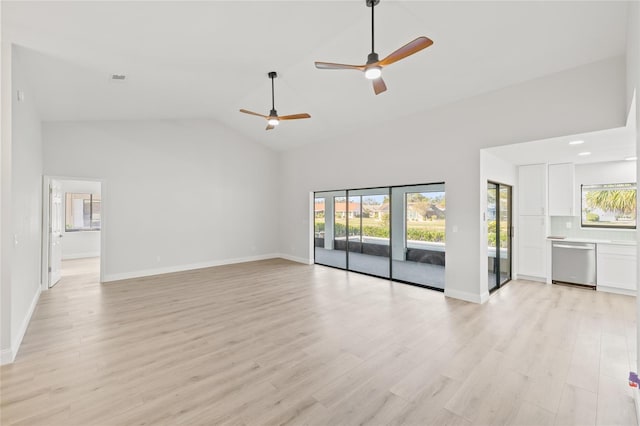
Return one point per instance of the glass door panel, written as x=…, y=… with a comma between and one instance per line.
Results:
x=492, y=234
x=329, y=229
x=498, y=234
x=505, y=234
x=418, y=230
x=369, y=231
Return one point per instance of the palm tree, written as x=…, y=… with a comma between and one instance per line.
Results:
x=619, y=201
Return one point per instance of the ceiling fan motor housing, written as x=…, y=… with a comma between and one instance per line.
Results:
x=372, y=58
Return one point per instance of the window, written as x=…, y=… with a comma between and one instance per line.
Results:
x=82, y=212
x=609, y=206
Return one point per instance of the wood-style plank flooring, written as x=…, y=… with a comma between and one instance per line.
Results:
x=275, y=342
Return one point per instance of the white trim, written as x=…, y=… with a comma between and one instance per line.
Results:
x=466, y=296
x=296, y=259
x=7, y=356
x=188, y=267
x=531, y=278
x=80, y=255
x=616, y=290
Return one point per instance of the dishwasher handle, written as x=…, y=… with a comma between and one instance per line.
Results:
x=574, y=247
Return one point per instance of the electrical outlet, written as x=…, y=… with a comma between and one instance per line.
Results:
x=158, y=259
x=568, y=225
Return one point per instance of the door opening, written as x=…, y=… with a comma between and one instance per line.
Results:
x=499, y=234
x=74, y=222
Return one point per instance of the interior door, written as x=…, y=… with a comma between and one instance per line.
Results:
x=55, y=232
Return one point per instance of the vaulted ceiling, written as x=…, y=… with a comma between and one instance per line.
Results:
x=208, y=59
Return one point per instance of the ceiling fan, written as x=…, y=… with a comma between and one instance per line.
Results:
x=273, y=119
x=373, y=68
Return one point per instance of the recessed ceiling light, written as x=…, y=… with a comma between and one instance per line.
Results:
x=584, y=153
x=631, y=158
x=576, y=142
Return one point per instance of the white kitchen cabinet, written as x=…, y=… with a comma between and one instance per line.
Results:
x=561, y=190
x=532, y=190
x=532, y=247
x=617, y=268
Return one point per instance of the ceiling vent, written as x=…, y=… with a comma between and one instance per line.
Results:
x=118, y=77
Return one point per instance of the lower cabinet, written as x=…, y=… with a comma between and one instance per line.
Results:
x=617, y=268
x=532, y=247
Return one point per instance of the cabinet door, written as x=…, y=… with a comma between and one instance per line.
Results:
x=532, y=190
x=561, y=190
x=617, y=266
x=532, y=246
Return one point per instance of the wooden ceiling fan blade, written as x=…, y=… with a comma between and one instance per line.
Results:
x=294, y=116
x=270, y=127
x=332, y=66
x=379, y=86
x=253, y=113
x=407, y=50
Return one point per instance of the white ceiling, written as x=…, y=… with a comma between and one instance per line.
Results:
x=208, y=59
x=606, y=145
x=603, y=146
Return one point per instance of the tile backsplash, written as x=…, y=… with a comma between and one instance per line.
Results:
x=558, y=227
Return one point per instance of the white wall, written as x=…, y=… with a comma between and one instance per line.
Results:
x=5, y=198
x=596, y=173
x=497, y=170
x=633, y=85
x=444, y=145
x=177, y=194
x=26, y=201
x=78, y=245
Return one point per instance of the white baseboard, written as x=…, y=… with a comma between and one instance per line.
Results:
x=466, y=296
x=80, y=255
x=189, y=267
x=531, y=278
x=616, y=290
x=7, y=356
x=296, y=259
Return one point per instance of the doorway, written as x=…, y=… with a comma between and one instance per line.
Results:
x=499, y=233
x=73, y=221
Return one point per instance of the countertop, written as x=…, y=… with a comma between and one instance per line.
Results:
x=592, y=240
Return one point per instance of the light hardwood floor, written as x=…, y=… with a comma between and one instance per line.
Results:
x=274, y=342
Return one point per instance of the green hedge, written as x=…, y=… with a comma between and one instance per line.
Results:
x=380, y=232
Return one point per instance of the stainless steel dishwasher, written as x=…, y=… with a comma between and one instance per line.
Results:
x=574, y=263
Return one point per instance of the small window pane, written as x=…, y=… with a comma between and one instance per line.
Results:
x=609, y=205
x=82, y=212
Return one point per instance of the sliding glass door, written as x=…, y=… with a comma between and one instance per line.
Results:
x=369, y=232
x=499, y=236
x=330, y=219
x=418, y=229
x=393, y=232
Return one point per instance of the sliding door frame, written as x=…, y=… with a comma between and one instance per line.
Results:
x=347, y=191
x=499, y=283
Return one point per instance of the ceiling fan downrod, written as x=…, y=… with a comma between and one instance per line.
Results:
x=373, y=56
x=272, y=76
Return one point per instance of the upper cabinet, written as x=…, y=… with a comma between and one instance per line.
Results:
x=561, y=190
x=532, y=194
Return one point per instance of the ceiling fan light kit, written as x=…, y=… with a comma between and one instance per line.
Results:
x=373, y=68
x=273, y=119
